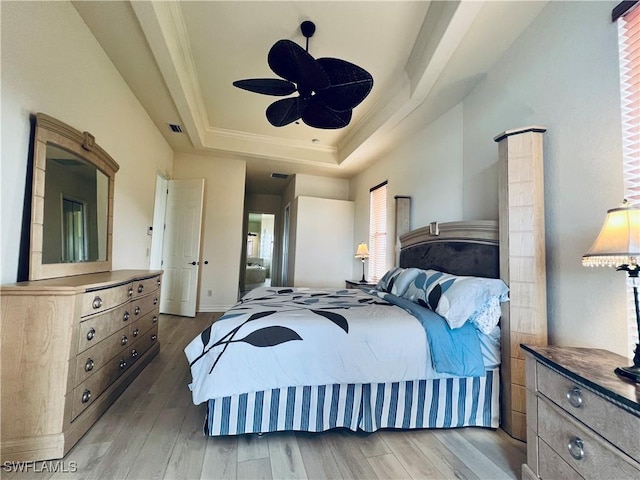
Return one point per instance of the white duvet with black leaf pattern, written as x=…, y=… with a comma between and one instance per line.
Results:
x=277, y=337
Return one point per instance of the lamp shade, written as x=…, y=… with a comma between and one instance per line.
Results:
x=619, y=240
x=363, y=251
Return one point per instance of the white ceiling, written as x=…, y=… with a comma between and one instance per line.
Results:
x=180, y=59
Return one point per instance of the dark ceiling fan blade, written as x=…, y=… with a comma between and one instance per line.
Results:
x=285, y=111
x=266, y=86
x=349, y=84
x=317, y=114
x=291, y=62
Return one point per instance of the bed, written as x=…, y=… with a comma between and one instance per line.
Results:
x=317, y=359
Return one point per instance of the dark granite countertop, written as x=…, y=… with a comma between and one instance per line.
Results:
x=592, y=368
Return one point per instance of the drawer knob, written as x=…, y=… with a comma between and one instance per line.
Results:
x=91, y=333
x=97, y=303
x=86, y=396
x=574, y=397
x=153, y=338
x=155, y=301
x=137, y=311
x=134, y=353
x=123, y=364
x=124, y=340
x=125, y=317
x=130, y=291
x=136, y=332
x=140, y=288
x=89, y=365
x=576, y=448
x=154, y=320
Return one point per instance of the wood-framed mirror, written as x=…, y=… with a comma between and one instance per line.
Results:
x=71, y=203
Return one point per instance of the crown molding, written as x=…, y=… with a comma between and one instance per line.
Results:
x=163, y=25
x=264, y=146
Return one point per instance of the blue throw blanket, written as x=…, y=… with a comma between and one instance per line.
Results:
x=457, y=351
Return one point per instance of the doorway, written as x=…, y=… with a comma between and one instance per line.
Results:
x=260, y=240
x=175, y=242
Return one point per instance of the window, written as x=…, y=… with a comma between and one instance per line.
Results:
x=627, y=14
x=377, y=232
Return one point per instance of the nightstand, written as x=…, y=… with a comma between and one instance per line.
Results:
x=582, y=420
x=357, y=284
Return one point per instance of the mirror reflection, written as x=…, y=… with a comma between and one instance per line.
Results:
x=75, y=209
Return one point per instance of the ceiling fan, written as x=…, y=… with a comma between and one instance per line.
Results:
x=328, y=88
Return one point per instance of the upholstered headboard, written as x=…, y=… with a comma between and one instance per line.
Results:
x=458, y=248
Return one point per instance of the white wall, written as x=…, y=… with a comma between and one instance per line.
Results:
x=321, y=187
x=561, y=73
x=428, y=168
x=51, y=63
x=222, y=239
x=323, y=235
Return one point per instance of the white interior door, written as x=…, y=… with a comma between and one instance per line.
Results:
x=182, y=247
x=159, y=215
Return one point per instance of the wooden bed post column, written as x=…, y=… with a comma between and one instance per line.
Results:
x=403, y=220
x=522, y=264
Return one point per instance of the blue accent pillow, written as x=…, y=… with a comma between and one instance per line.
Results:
x=458, y=298
x=403, y=281
x=388, y=279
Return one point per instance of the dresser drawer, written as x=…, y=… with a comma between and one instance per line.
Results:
x=143, y=305
x=97, y=301
x=93, y=359
x=144, y=343
x=620, y=427
x=148, y=285
x=552, y=466
x=95, y=329
x=582, y=449
x=145, y=323
x=89, y=390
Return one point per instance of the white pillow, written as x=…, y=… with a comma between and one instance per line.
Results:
x=457, y=298
x=487, y=317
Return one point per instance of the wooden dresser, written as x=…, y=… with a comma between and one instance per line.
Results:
x=70, y=346
x=582, y=420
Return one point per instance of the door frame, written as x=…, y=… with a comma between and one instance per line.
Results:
x=157, y=229
x=166, y=306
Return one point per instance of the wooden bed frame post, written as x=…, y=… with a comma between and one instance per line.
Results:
x=403, y=220
x=522, y=264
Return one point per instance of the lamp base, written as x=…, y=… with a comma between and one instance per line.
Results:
x=632, y=373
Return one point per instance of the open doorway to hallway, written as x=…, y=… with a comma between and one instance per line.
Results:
x=260, y=247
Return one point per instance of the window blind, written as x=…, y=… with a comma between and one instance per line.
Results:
x=627, y=15
x=377, y=232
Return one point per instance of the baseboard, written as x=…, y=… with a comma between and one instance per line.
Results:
x=213, y=308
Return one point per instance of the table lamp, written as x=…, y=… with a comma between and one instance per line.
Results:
x=618, y=245
x=363, y=253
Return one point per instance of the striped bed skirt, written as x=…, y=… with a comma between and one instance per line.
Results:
x=439, y=403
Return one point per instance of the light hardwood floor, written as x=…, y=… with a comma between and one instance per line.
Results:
x=154, y=431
